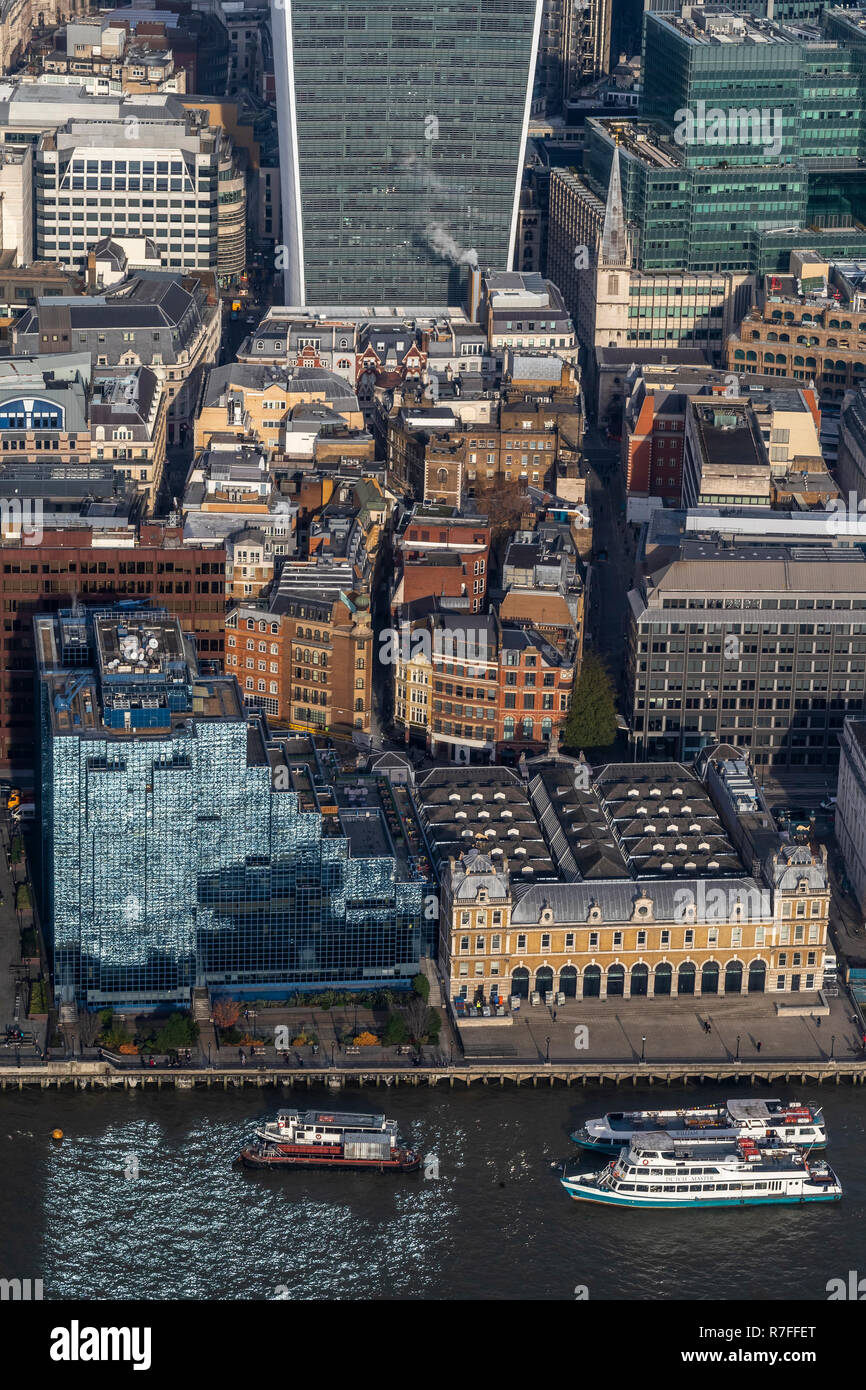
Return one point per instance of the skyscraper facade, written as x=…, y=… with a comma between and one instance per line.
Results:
x=402, y=130
x=184, y=846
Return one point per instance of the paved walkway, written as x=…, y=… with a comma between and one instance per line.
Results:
x=673, y=1029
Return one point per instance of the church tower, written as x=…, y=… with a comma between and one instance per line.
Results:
x=613, y=268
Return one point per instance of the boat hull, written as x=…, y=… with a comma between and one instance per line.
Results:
x=690, y=1204
x=406, y=1163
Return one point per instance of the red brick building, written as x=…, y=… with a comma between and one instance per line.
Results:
x=652, y=441
x=444, y=556
x=152, y=564
x=534, y=691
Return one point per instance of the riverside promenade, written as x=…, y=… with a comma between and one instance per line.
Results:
x=105, y=1076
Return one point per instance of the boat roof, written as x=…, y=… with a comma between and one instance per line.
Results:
x=652, y=1142
x=344, y=1118
x=748, y=1110
x=686, y=1147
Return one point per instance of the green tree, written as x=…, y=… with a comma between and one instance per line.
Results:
x=421, y=985
x=178, y=1030
x=591, y=720
x=396, y=1031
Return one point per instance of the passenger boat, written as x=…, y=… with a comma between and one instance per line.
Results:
x=659, y=1170
x=320, y=1139
x=792, y=1123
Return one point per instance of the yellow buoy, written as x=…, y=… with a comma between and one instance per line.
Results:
x=57, y=1134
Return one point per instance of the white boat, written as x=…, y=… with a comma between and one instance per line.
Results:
x=793, y=1123
x=660, y=1170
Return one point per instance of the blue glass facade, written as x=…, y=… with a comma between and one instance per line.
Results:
x=198, y=850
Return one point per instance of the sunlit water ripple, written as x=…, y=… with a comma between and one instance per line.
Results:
x=494, y=1224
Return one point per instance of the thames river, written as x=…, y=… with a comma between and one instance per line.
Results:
x=141, y=1200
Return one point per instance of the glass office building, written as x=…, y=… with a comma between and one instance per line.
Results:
x=184, y=846
x=402, y=129
x=749, y=129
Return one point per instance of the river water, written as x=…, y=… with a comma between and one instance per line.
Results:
x=495, y=1224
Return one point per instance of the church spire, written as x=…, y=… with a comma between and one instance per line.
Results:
x=614, y=239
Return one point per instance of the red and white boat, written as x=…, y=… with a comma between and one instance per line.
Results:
x=320, y=1139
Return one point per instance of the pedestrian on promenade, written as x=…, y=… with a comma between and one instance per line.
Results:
x=757, y=1047
x=554, y=1015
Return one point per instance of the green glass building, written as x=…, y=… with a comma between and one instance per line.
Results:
x=751, y=130
x=185, y=846
x=402, y=129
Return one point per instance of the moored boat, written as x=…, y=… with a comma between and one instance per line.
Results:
x=326, y=1139
x=660, y=1170
x=800, y=1125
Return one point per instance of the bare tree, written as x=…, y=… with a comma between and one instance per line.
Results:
x=417, y=1013
x=89, y=1027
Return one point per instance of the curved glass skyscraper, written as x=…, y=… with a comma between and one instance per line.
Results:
x=401, y=139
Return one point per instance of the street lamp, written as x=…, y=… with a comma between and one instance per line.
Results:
x=451, y=1054
x=547, y=1049
x=643, y=1049
x=832, y=1046
x=737, y=1058
x=332, y=1054
x=209, y=1062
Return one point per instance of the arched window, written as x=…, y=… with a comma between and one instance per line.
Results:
x=568, y=981
x=639, y=979
x=508, y=727
x=757, y=977
x=740, y=355
x=615, y=981
x=686, y=978
x=710, y=977
x=592, y=982
x=733, y=977
x=528, y=727
x=520, y=982
x=546, y=728
x=663, y=973
x=544, y=980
